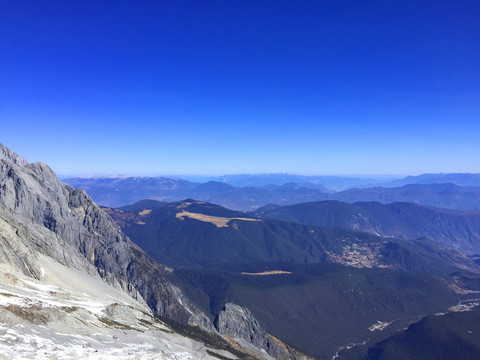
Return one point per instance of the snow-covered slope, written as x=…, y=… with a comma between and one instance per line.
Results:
x=70, y=314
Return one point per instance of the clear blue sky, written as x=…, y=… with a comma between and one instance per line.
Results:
x=217, y=87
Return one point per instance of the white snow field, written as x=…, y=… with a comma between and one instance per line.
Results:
x=68, y=314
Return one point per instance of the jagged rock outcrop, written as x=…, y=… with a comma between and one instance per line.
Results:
x=41, y=215
x=240, y=326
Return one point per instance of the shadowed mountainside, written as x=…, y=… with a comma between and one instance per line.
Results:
x=198, y=234
x=450, y=336
x=450, y=229
x=321, y=308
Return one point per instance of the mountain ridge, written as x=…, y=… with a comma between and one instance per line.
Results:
x=198, y=234
x=115, y=192
x=460, y=179
x=453, y=229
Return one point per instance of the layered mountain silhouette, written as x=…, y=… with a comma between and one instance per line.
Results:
x=325, y=183
x=116, y=192
x=460, y=179
x=445, y=195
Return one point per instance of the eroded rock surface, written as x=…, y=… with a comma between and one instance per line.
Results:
x=38, y=213
x=240, y=326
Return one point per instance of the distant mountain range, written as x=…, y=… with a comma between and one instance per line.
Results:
x=448, y=196
x=460, y=179
x=115, y=192
x=339, y=183
x=459, y=230
x=324, y=183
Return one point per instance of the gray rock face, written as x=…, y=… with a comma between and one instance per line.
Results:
x=39, y=214
x=238, y=323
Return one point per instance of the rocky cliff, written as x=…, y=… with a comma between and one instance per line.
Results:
x=238, y=325
x=73, y=286
x=56, y=220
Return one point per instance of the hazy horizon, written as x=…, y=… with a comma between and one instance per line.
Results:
x=342, y=88
x=192, y=176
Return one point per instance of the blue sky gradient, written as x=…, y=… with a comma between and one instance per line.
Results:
x=218, y=87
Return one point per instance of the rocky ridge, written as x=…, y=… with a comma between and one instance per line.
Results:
x=51, y=218
x=238, y=324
